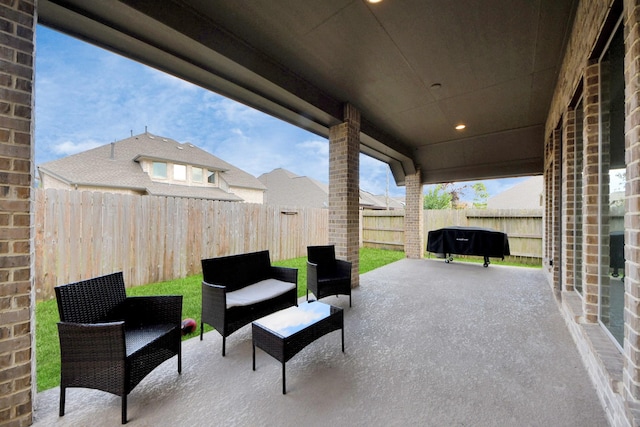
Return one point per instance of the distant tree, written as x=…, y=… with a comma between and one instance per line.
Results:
x=456, y=191
x=480, y=195
x=437, y=198
x=448, y=195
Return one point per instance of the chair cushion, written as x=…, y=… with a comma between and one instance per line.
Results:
x=258, y=292
x=237, y=271
x=139, y=338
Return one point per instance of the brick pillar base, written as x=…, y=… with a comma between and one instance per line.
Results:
x=344, y=190
x=414, y=217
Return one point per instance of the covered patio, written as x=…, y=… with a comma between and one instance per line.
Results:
x=426, y=343
x=541, y=87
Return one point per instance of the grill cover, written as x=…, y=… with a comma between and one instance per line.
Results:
x=468, y=241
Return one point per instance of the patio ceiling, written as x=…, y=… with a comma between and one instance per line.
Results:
x=414, y=68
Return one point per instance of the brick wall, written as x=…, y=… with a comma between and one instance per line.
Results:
x=17, y=26
x=587, y=24
x=631, y=376
x=344, y=190
x=615, y=374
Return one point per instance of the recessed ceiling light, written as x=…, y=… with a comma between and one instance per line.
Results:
x=460, y=126
x=374, y=1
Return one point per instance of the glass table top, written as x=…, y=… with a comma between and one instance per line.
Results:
x=294, y=319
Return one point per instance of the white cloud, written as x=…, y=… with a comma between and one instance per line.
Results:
x=318, y=148
x=236, y=113
x=168, y=80
x=238, y=132
x=67, y=147
x=376, y=177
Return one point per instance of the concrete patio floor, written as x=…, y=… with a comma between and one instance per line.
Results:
x=426, y=343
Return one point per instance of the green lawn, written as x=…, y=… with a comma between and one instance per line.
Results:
x=48, y=348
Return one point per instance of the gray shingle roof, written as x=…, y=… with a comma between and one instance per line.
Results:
x=284, y=188
x=212, y=193
x=116, y=165
x=377, y=201
x=525, y=195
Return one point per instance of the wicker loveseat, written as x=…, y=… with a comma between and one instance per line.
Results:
x=109, y=341
x=239, y=289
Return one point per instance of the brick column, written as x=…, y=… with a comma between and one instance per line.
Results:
x=555, y=208
x=590, y=193
x=547, y=229
x=551, y=225
x=344, y=190
x=17, y=29
x=604, y=285
x=631, y=374
x=568, y=201
x=414, y=217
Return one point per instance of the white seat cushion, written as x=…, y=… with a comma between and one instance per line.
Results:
x=261, y=291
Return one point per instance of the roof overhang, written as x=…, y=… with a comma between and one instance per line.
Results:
x=413, y=69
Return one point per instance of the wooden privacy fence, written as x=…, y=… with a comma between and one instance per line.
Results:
x=151, y=239
x=385, y=229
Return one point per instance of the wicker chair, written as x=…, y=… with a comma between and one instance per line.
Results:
x=109, y=341
x=327, y=275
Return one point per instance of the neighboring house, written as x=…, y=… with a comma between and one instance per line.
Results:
x=376, y=201
x=284, y=188
x=148, y=164
x=525, y=195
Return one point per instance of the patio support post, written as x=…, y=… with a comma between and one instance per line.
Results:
x=17, y=299
x=344, y=190
x=414, y=217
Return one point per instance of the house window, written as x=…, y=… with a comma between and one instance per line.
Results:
x=612, y=179
x=159, y=170
x=196, y=174
x=180, y=172
x=211, y=177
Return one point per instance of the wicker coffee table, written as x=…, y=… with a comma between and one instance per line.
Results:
x=284, y=333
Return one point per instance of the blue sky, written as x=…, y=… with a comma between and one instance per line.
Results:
x=87, y=96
